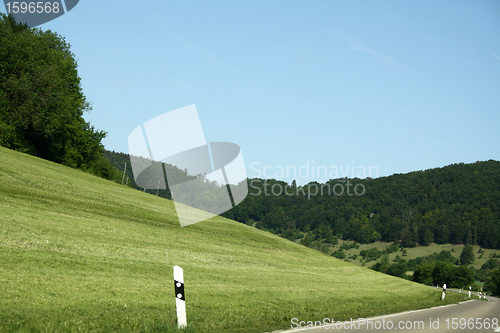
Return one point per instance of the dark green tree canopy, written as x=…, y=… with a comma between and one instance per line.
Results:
x=41, y=99
x=458, y=204
x=493, y=283
x=467, y=255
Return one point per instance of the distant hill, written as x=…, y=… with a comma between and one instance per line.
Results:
x=118, y=161
x=458, y=204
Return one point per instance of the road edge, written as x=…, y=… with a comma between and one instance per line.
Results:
x=375, y=318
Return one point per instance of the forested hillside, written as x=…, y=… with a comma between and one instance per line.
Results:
x=121, y=162
x=457, y=204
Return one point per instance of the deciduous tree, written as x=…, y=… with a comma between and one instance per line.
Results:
x=41, y=99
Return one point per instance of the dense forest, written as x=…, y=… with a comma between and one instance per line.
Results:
x=121, y=162
x=456, y=204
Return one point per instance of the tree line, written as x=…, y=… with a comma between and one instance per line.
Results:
x=458, y=204
x=42, y=102
x=433, y=270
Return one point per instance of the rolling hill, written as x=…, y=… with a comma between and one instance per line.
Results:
x=455, y=204
x=79, y=253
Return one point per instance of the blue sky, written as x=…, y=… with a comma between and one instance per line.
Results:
x=396, y=85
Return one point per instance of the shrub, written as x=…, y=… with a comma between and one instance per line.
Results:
x=493, y=283
x=423, y=274
x=391, y=249
x=397, y=269
x=372, y=254
x=338, y=254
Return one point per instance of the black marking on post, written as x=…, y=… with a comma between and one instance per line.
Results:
x=179, y=290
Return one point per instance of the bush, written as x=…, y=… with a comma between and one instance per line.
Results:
x=290, y=234
x=461, y=277
x=413, y=263
x=391, y=249
x=346, y=246
x=491, y=264
x=441, y=273
x=397, y=269
x=103, y=168
x=338, y=254
x=399, y=260
x=493, y=283
x=372, y=254
x=423, y=274
x=307, y=240
x=453, y=276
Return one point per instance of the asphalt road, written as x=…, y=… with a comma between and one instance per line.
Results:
x=469, y=316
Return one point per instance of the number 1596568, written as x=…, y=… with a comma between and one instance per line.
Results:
x=39, y=7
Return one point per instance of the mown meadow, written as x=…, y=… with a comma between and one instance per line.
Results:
x=82, y=254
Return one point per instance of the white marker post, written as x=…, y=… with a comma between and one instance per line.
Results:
x=470, y=290
x=444, y=292
x=180, y=299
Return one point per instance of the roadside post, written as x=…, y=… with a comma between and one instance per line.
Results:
x=444, y=292
x=180, y=297
x=470, y=289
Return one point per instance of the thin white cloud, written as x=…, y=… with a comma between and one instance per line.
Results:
x=198, y=49
x=356, y=45
x=495, y=55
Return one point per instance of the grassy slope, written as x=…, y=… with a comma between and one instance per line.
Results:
x=414, y=252
x=79, y=253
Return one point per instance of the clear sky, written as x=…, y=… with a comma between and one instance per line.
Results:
x=397, y=86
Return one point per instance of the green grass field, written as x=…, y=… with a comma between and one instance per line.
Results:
x=82, y=254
